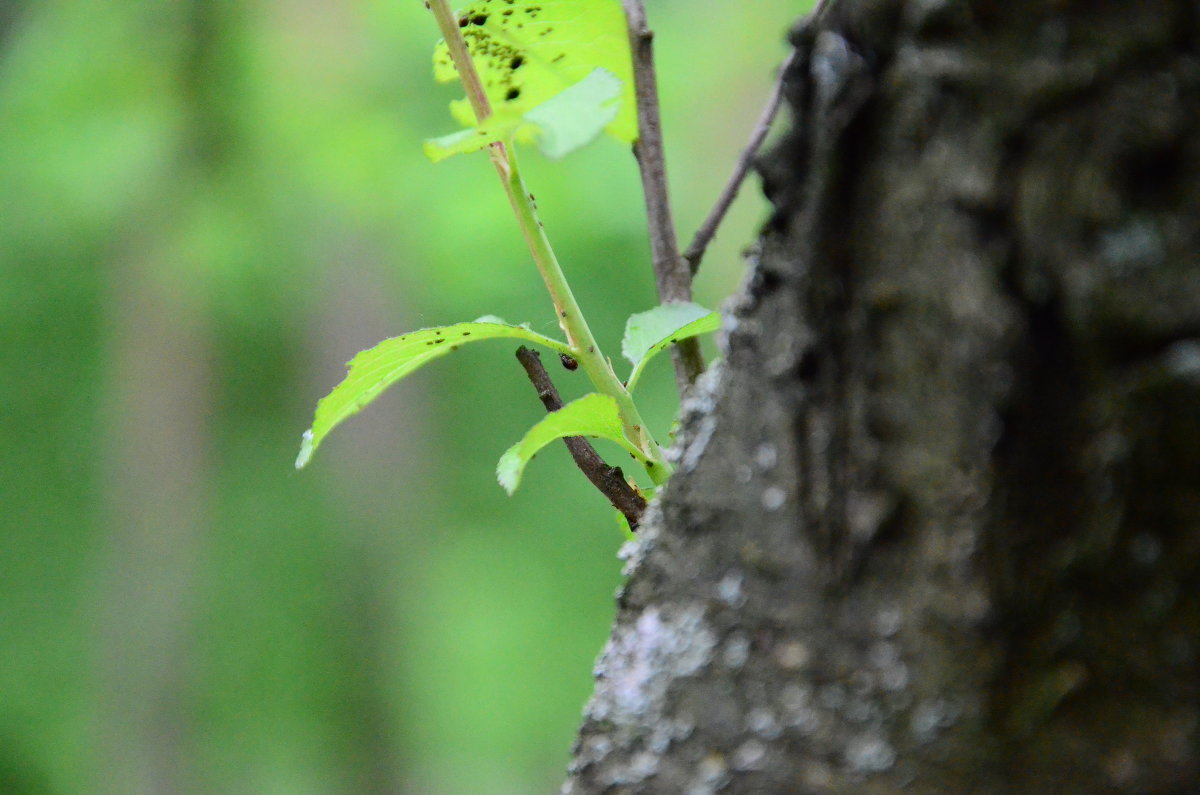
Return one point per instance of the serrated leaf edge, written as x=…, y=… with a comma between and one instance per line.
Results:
x=312, y=438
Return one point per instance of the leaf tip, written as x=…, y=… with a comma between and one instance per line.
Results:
x=306, y=449
x=434, y=151
x=508, y=471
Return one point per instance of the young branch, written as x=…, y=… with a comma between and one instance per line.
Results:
x=609, y=480
x=579, y=335
x=672, y=276
x=704, y=235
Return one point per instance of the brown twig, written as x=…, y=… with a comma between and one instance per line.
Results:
x=704, y=235
x=672, y=276
x=609, y=480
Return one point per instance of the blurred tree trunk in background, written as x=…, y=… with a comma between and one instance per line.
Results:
x=356, y=315
x=936, y=524
x=157, y=470
x=158, y=462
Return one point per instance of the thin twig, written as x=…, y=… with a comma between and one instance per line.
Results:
x=609, y=480
x=704, y=235
x=672, y=276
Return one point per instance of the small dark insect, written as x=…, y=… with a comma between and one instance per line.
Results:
x=568, y=362
x=466, y=333
x=516, y=62
x=512, y=94
x=479, y=19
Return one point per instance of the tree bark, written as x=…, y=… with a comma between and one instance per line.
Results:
x=936, y=523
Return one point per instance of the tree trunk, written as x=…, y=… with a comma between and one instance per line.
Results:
x=936, y=524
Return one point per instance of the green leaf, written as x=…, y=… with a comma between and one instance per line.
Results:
x=463, y=141
x=591, y=415
x=649, y=333
x=572, y=118
x=529, y=51
x=374, y=370
x=567, y=121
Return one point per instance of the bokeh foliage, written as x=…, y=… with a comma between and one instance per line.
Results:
x=206, y=208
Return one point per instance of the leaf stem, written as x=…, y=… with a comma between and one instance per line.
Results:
x=583, y=343
x=570, y=317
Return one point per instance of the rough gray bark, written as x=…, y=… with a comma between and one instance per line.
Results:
x=936, y=524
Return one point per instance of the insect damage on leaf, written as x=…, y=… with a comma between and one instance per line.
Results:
x=527, y=52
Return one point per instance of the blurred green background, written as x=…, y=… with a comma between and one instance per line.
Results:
x=206, y=208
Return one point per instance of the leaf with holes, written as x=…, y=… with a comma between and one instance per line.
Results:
x=374, y=370
x=528, y=52
x=649, y=333
x=593, y=415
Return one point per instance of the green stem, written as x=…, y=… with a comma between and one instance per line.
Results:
x=570, y=317
x=574, y=325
